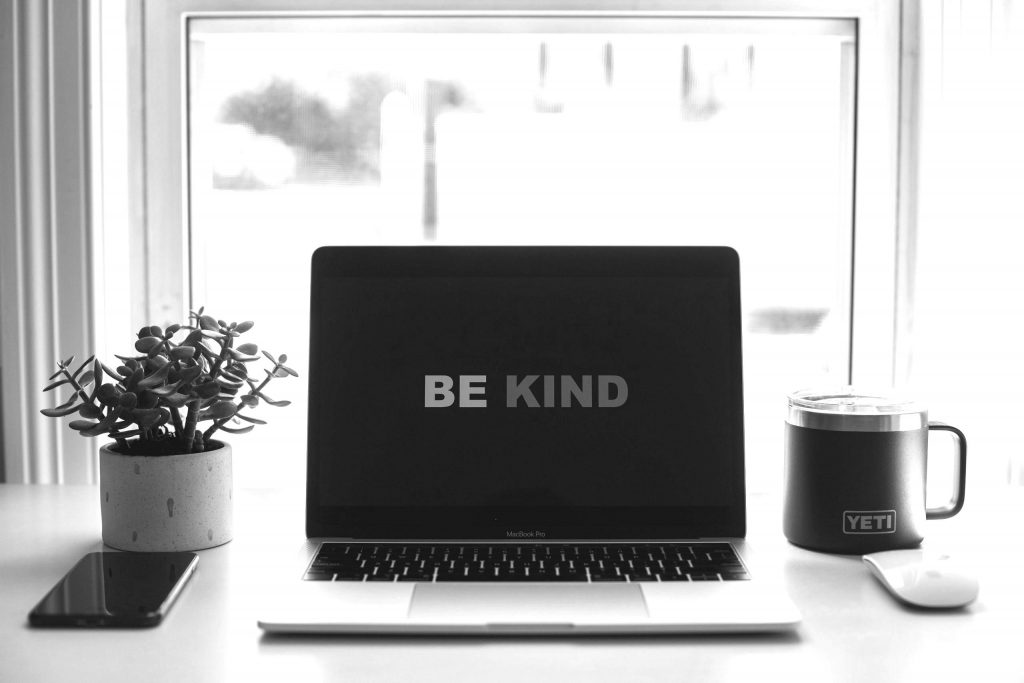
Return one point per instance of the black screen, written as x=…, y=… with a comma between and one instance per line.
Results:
x=524, y=388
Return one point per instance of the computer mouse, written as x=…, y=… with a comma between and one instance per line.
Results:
x=922, y=578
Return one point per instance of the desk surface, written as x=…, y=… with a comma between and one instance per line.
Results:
x=852, y=630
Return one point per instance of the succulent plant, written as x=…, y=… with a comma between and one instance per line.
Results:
x=155, y=403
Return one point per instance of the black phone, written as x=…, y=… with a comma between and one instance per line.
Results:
x=116, y=589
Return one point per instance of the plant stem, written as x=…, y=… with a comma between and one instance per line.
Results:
x=217, y=424
x=222, y=357
x=190, y=423
x=179, y=428
x=78, y=387
x=175, y=413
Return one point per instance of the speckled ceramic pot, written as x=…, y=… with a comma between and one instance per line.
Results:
x=164, y=503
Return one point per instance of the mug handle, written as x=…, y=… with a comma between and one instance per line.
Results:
x=957, y=503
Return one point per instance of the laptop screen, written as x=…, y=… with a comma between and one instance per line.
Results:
x=524, y=392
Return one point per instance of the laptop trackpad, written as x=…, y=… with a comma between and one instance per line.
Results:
x=502, y=603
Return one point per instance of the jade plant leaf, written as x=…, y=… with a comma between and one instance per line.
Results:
x=147, y=399
x=116, y=376
x=219, y=411
x=136, y=376
x=108, y=393
x=176, y=400
x=156, y=379
x=147, y=344
x=193, y=338
x=91, y=411
x=232, y=377
x=53, y=386
x=182, y=353
x=165, y=390
x=126, y=435
x=224, y=382
x=146, y=418
x=240, y=357
x=58, y=412
x=276, y=404
x=208, y=389
x=239, y=430
x=189, y=374
x=101, y=427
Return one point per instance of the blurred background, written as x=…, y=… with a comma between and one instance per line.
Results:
x=303, y=136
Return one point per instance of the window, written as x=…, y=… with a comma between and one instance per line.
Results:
x=498, y=127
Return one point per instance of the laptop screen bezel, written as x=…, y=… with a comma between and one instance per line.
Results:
x=534, y=523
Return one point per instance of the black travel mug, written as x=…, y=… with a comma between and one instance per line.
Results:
x=856, y=470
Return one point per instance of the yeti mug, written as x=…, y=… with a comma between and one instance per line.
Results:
x=856, y=466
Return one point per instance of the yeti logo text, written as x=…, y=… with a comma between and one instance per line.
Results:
x=551, y=391
x=869, y=521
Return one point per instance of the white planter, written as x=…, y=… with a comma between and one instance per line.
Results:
x=168, y=502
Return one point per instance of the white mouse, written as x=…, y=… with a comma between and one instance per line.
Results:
x=922, y=578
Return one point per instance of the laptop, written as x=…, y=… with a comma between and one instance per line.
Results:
x=542, y=440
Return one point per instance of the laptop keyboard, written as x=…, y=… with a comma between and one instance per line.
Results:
x=589, y=562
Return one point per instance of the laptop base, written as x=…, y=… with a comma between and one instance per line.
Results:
x=533, y=608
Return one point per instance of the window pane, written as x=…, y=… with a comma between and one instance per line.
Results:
x=307, y=132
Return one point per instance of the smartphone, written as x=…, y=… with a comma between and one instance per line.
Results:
x=116, y=589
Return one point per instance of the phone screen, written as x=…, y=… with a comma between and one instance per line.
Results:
x=116, y=589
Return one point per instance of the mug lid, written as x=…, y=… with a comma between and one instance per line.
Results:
x=851, y=409
x=849, y=400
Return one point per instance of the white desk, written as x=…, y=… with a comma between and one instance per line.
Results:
x=852, y=630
